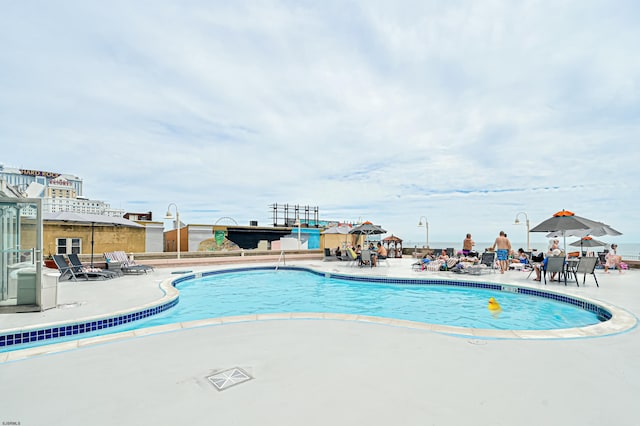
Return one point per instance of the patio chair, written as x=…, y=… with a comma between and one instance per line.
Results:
x=535, y=261
x=586, y=265
x=78, y=266
x=67, y=271
x=365, y=258
x=555, y=265
x=488, y=259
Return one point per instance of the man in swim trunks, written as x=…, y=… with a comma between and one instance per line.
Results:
x=503, y=246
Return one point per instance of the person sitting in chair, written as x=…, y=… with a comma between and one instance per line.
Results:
x=521, y=257
x=443, y=255
x=540, y=268
x=380, y=253
x=612, y=260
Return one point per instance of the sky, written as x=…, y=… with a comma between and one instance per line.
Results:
x=465, y=113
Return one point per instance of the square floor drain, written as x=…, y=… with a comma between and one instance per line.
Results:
x=228, y=378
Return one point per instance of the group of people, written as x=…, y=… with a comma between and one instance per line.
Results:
x=375, y=254
x=442, y=261
x=612, y=259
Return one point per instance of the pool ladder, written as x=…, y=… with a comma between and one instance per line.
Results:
x=282, y=257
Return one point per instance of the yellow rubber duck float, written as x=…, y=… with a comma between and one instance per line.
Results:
x=494, y=306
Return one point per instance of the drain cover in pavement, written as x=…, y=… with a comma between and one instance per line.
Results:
x=226, y=379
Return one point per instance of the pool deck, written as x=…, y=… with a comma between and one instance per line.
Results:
x=319, y=371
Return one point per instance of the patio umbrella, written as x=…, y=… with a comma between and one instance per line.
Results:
x=366, y=229
x=339, y=229
x=597, y=231
x=587, y=242
x=564, y=222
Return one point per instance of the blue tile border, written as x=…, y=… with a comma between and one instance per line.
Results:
x=62, y=330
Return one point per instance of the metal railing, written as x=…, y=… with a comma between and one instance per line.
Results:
x=281, y=258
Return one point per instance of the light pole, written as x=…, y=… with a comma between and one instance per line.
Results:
x=426, y=226
x=170, y=216
x=298, y=225
x=517, y=222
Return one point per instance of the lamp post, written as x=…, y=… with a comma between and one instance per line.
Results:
x=426, y=226
x=170, y=216
x=298, y=225
x=517, y=222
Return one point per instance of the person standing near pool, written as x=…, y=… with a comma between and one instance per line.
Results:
x=467, y=245
x=503, y=246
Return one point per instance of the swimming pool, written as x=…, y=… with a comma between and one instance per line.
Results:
x=275, y=292
x=224, y=296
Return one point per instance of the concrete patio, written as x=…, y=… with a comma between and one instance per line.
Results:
x=321, y=371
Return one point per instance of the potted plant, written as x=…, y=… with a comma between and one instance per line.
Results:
x=49, y=263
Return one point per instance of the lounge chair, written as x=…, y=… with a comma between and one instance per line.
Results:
x=555, y=265
x=487, y=263
x=353, y=257
x=68, y=271
x=78, y=266
x=127, y=265
x=586, y=265
x=419, y=265
x=328, y=257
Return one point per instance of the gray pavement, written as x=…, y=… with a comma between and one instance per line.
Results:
x=322, y=371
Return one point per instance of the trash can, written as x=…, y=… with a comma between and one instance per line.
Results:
x=26, y=286
x=49, y=292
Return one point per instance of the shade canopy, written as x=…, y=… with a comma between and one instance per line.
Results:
x=588, y=242
x=367, y=228
x=339, y=229
x=566, y=223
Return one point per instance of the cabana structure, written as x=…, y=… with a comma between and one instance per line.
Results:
x=393, y=245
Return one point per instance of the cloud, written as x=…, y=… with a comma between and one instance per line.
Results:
x=465, y=112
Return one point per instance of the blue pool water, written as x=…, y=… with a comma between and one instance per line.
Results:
x=269, y=291
x=265, y=291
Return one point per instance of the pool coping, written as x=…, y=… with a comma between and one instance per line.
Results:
x=620, y=321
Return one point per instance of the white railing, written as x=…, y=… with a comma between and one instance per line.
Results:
x=281, y=258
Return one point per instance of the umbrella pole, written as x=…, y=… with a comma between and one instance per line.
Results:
x=92, y=241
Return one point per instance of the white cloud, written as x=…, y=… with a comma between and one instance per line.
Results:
x=466, y=112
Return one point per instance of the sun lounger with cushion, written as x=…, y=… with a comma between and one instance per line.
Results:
x=78, y=266
x=127, y=266
x=69, y=272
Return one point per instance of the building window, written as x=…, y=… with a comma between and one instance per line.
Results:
x=68, y=245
